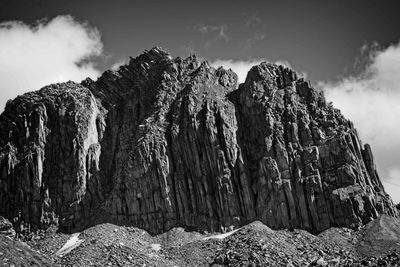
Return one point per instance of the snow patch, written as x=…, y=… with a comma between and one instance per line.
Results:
x=73, y=242
x=221, y=236
x=156, y=247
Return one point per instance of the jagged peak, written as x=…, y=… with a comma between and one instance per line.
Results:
x=271, y=71
x=155, y=54
x=48, y=91
x=159, y=58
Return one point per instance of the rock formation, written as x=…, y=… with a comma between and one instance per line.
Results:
x=6, y=227
x=168, y=141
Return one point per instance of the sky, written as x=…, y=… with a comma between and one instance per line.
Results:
x=348, y=49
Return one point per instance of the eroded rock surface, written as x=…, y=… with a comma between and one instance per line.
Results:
x=307, y=167
x=168, y=141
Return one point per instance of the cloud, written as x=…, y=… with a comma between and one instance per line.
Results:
x=253, y=20
x=259, y=36
x=371, y=99
x=219, y=29
x=256, y=37
x=392, y=186
x=118, y=64
x=50, y=51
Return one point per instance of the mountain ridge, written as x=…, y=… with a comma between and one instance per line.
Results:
x=165, y=142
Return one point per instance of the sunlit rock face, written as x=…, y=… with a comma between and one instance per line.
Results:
x=307, y=166
x=168, y=141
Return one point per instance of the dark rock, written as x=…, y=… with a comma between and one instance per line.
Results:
x=304, y=160
x=6, y=227
x=164, y=142
x=16, y=253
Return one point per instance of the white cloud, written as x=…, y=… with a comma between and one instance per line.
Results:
x=253, y=20
x=51, y=51
x=392, y=186
x=255, y=38
x=371, y=100
x=118, y=64
x=259, y=36
x=219, y=29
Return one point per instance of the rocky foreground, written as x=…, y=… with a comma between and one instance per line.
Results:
x=376, y=244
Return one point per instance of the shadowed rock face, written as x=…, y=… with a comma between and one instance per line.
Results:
x=165, y=142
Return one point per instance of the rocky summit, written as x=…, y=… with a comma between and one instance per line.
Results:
x=165, y=142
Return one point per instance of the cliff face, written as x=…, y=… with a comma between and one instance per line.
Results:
x=306, y=163
x=165, y=142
